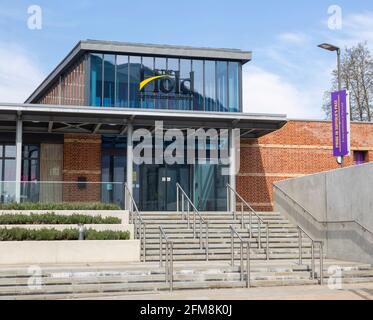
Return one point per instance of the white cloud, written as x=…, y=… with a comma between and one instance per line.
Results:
x=266, y=92
x=19, y=75
x=293, y=38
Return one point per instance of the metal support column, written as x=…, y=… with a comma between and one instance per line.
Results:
x=129, y=164
x=232, y=169
x=18, y=160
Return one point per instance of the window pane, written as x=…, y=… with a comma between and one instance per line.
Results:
x=109, y=80
x=135, y=71
x=148, y=91
x=122, y=82
x=10, y=170
x=185, y=73
x=174, y=97
x=221, y=85
x=210, y=85
x=96, y=79
x=30, y=151
x=198, y=84
x=10, y=151
x=1, y=151
x=233, y=79
x=161, y=84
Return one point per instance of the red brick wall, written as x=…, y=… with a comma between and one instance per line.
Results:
x=82, y=158
x=70, y=89
x=297, y=149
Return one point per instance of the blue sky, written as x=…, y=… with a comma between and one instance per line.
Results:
x=288, y=73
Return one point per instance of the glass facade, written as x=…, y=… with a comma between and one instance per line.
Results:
x=164, y=83
x=29, y=173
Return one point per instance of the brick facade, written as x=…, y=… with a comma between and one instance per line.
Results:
x=297, y=149
x=82, y=158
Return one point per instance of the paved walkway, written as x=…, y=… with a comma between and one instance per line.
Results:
x=363, y=291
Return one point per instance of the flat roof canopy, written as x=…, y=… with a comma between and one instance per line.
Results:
x=93, y=120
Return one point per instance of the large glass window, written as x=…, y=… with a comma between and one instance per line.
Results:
x=109, y=80
x=174, y=98
x=135, y=78
x=29, y=173
x=221, y=86
x=148, y=90
x=233, y=86
x=185, y=83
x=198, y=85
x=210, y=85
x=122, y=81
x=96, y=79
x=173, y=83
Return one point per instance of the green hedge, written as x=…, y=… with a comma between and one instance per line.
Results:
x=59, y=206
x=22, y=234
x=52, y=218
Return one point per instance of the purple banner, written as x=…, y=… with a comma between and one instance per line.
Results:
x=340, y=123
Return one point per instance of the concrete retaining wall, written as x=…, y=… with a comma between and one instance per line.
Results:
x=340, y=209
x=68, y=252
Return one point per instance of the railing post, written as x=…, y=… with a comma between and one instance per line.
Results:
x=228, y=205
x=182, y=203
x=194, y=222
x=321, y=263
x=207, y=241
x=242, y=216
x=313, y=260
x=250, y=224
x=200, y=234
x=171, y=266
x=144, y=242
x=241, y=261
x=248, y=267
x=167, y=263
x=260, y=233
x=160, y=248
x=177, y=199
x=267, y=250
x=232, y=248
x=300, y=245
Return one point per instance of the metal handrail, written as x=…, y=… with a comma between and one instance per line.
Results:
x=242, y=242
x=321, y=221
x=195, y=213
x=321, y=254
x=137, y=220
x=169, y=257
x=252, y=211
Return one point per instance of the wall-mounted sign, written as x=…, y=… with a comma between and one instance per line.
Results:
x=167, y=83
x=341, y=123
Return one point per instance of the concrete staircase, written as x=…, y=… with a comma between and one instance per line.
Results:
x=191, y=270
x=61, y=282
x=283, y=237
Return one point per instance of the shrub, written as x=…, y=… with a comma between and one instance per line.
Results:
x=46, y=234
x=59, y=206
x=52, y=218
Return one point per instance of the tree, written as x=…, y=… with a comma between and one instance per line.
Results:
x=357, y=77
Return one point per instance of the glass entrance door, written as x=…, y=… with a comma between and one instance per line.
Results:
x=158, y=186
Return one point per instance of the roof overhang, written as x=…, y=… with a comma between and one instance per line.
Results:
x=90, y=120
x=137, y=49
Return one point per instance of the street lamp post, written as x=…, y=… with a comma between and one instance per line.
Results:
x=330, y=47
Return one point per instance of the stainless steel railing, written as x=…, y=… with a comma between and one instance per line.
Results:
x=235, y=234
x=251, y=213
x=189, y=204
x=321, y=254
x=169, y=257
x=137, y=220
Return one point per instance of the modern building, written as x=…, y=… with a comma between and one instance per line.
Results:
x=72, y=139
